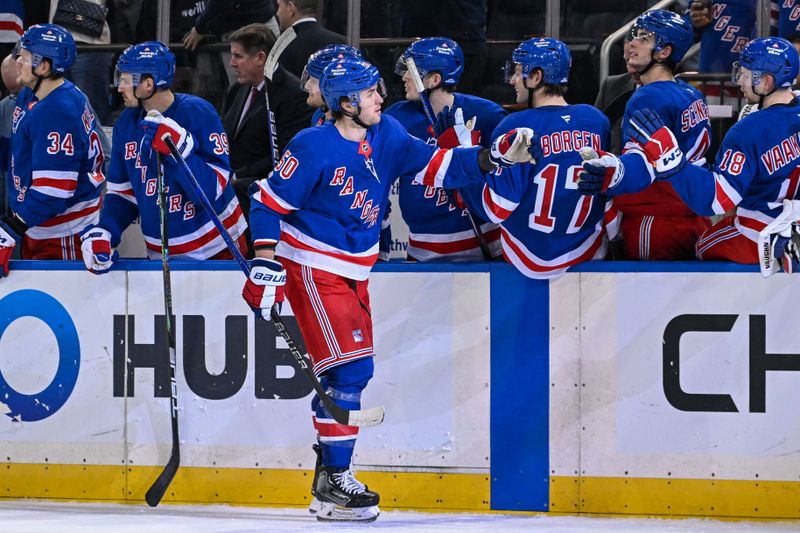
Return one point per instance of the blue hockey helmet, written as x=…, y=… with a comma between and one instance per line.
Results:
x=346, y=78
x=49, y=41
x=151, y=58
x=434, y=54
x=323, y=57
x=668, y=28
x=550, y=55
x=769, y=55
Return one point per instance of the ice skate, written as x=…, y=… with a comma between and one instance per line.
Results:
x=343, y=498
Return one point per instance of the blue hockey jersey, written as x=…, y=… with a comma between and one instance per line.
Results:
x=325, y=201
x=436, y=228
x=785, y=18
x=546, y=225
x=132, y=189
x=757, y=167
x=732, y=25
x=55, y=174
x=683, y=109
x=11, y=20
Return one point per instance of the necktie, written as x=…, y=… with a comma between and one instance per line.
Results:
x=248, y=104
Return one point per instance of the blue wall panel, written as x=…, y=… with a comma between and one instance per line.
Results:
x=520, y=391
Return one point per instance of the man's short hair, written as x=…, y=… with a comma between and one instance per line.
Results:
x=306, y=7
x=254, y=38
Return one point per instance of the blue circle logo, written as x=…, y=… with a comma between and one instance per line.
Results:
x=33, y=407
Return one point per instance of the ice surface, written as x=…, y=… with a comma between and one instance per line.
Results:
x=27, y=516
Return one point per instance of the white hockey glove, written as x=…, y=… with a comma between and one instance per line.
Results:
x=520, y=145
x=452, y=132
x=156, y=127
x=601, y=171
x=264, y=287
x=96, y=250
x=8, y=241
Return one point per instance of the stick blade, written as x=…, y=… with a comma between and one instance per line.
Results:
x=367, y=417
x=161, y=484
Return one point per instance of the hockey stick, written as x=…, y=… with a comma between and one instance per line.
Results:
x=360, y=418
x=783, y=222
x=273, y=131
x=283, y=40
x=426, y=106
x=159, y=487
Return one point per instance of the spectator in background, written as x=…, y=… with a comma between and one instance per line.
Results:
x=11, y=17
x=723, y=29
x=244, y=112
x=783, y=19
x=300, y=16
x=91, y=72
x=464, y=21
x=133, y=21
x=220, y=17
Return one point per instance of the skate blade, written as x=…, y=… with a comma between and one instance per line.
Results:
x=330, y=512
x=314, y=506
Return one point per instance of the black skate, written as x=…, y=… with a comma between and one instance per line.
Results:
x=344, y=498
x=315, y=505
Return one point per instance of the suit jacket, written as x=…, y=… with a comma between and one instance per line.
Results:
x=249, y=141
x=611, y=99
x=311, y=36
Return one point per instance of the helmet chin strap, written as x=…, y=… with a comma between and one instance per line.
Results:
x=356, y=117
x=148, y=97
x=761, y=97
x=531, y=90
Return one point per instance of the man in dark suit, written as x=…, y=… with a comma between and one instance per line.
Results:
x=244, y=112
x=310, y=35
x=615, y=91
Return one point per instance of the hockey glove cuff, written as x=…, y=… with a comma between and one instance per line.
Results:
x=158, y=127
x=264, y=287
x=601, y=171
x=658, y=143
x=8, y=241
x=520, y=145
x=453, y=132
x=96, y=250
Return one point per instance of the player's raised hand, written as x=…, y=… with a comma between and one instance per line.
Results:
x=658, y=143
x=156, y=127
x=601, y=171
x=451, y=131
x=520, y=145
x=8, y=241
x=264, y=287
x=96, y=250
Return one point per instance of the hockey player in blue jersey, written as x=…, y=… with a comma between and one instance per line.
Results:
x=756, y=166
x=55, y=175
x=724, y=27
x=656, y=223
x=315, y=222
x=312, y=72
x=546, y=226
x=437, y=228
x=143, y=76
x=784, y=20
